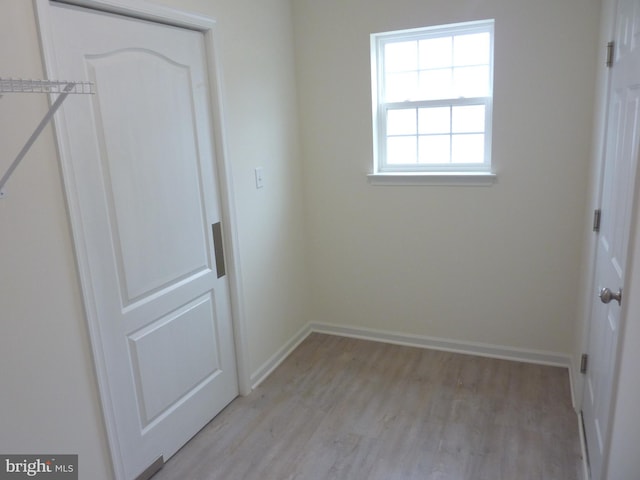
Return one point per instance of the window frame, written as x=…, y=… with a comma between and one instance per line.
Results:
x=478, y=172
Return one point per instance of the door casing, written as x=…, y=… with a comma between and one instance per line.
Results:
x=205, y=25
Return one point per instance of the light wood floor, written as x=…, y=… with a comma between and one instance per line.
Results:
x=340, y=408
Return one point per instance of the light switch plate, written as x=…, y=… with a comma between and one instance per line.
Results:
x=259, y=177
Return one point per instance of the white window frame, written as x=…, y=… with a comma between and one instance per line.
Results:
x=410, y=174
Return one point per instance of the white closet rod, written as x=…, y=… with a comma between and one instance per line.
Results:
x=63, y=88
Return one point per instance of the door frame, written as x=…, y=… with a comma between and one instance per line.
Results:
x=143, y=10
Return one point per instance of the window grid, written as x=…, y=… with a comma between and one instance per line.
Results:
x=450, y=131
x=421, y=161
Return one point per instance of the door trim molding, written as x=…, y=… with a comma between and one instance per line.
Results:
x=147, y=11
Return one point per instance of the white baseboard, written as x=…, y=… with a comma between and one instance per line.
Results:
x=277, y=358
x=470, y=348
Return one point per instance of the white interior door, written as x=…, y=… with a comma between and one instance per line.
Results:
x=621, y=157
x=141, y=177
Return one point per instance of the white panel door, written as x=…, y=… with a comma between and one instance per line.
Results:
x=620, y=163
x=141, y=164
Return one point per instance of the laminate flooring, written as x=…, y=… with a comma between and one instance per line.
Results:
x=342, y=408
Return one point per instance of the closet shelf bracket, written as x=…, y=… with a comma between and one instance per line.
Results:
x=62, y=88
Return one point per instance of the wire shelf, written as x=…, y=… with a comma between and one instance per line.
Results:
x=63, y=88
x=19, y=85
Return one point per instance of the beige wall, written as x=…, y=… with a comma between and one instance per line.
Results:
x=49, y=401
x=497, y=265
x=256, y=47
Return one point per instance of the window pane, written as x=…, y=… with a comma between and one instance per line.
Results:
x=434, y=120
x=471, y=81
x=468, y=119
x=401, y=150
x=435, y=84
x=434, y=149
x=401, y=56
x=435, y=52
x=471, y=49
x=401, y=122
x=467, y=149
x=401, y=86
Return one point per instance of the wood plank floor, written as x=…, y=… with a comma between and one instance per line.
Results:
x=341, y=408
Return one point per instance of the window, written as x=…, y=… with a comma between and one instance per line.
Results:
x=432, y=100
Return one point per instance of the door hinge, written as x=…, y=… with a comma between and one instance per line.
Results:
x=584, y=360
x=597, y=215
x=610, y=52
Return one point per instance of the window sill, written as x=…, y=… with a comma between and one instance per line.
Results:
x=470, y=179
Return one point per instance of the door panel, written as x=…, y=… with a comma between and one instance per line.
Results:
x=156, y=202
x=620, y=163
x=173, y=356
x=142, y=182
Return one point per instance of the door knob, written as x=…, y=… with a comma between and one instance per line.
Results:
x=607, y=295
